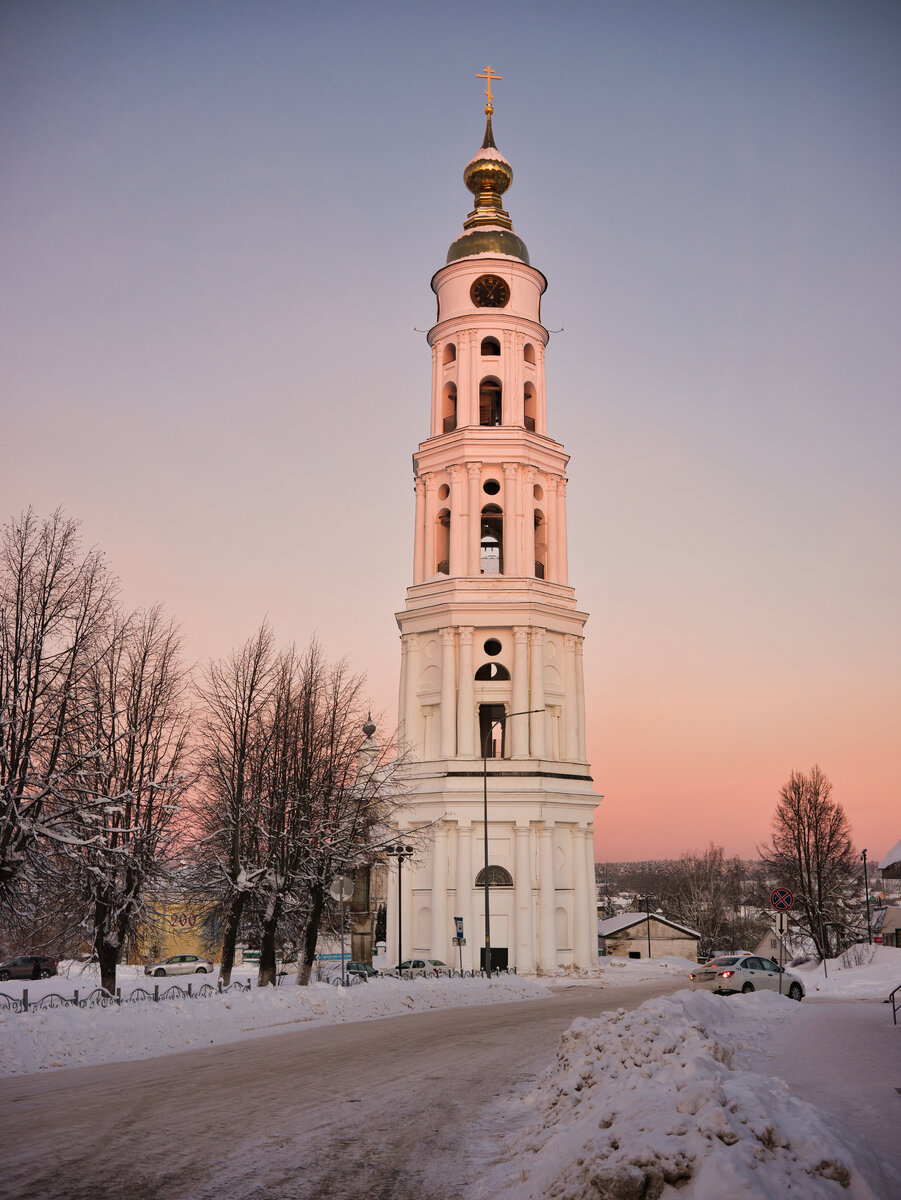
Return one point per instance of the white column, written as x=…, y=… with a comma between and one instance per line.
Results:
x=464, y=892
x=437, y=389
x=465, y=697
x=519, y=726
x=411, y=721
x=419, y=534
x=570, y=716
x=580, y=899
x=541, y=389
x=537, y=721
x=528, y=520
x=518, y=380
x=508, y=417
x=457, y=549
x=562, y=558
x=580, y=698
x=522, y=888
x=448, y=694
x=440, y=937
x=550, y=499
x=511, y=523
x=475, y=367
x=593, y=897
x=429, y=526
x=547, y=901
x=474, y=525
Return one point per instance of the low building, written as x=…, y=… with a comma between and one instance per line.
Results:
x=887, y=925
x=636, y=935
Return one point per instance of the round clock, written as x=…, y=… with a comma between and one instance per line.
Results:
x=490, y=291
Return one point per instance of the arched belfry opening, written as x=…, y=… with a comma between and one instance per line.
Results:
x=491, y=347
x=529, y=406
x=450, y=353
x=492, y=545
x=540, y=545
x=442, y=542
x=490, y=402
x=492, y=731
x=449, y=408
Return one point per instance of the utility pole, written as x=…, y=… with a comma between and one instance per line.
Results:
x=866, y=888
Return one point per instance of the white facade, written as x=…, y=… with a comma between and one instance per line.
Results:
x=491, y=627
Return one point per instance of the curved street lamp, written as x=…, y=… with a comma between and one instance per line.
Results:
x=401, y=852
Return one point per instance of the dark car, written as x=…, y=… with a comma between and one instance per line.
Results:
x=360, y=968
x=28, y=966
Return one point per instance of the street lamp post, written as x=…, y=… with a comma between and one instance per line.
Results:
x=647, y=907
x=401, y=853
x=866, y=888
x=501, y=721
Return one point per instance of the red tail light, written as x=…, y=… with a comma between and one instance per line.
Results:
x=726, y=974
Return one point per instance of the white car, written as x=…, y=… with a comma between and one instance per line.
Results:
x=180, y=964
x=745, y=973
x=420, y=966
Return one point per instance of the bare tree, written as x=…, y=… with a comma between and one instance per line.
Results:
x=134, y=720
x=710, y=893
x=811, y=852
x=331, y=792
x=235, y=697
x=55, y=611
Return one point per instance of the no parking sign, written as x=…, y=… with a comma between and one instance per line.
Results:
x=781, y=899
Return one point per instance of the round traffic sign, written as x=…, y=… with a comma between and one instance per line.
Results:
x=341, y=888
x=781, y=899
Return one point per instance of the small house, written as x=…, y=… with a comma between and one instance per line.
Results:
x=637, y=935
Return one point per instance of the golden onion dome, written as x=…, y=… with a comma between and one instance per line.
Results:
x=488, y=228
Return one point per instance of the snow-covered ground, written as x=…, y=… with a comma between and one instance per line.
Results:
x=685, y=1093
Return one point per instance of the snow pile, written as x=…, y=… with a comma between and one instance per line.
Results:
x=44, y=1039
x=644, y=1103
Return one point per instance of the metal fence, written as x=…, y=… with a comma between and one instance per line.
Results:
x=101, y=998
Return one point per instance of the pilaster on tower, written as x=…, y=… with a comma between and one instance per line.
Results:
x=490, y=628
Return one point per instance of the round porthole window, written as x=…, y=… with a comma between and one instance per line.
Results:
x=491, y=487
x=492, y=647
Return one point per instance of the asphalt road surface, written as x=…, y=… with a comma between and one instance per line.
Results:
x=405, y=1108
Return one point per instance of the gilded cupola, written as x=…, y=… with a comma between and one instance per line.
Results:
x=488, y=228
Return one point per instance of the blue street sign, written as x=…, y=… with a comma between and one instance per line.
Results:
x=458, y=921
x=782, y=899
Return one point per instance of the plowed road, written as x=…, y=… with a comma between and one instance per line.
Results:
x=406, y=1108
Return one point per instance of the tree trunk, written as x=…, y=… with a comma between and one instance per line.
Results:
x=307, y=953
x=268, y=926
x=230, y=937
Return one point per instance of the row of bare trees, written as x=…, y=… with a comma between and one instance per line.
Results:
x=289, y=799
x=119, y=778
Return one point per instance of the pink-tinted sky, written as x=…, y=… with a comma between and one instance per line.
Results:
x=218, y=223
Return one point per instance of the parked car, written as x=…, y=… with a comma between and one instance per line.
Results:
x=180, y=964
x=745, y=973
x=365, y=970
x=29, y=966
x=420, y=966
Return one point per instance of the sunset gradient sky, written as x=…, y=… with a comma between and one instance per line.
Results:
x=218, y=223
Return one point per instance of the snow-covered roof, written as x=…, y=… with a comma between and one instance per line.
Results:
x=625, y=920
x=893, y=856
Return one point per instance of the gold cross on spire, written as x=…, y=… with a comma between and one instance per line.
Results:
x=488, y=75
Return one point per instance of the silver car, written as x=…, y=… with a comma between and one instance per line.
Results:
x=745, y=973
x=180, y=964
x=420, y=966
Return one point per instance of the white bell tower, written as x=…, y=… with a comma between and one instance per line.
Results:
x=490, y=628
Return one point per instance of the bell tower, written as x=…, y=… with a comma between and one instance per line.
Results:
x=491, y=706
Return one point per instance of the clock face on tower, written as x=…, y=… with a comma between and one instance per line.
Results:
x=490, y=291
